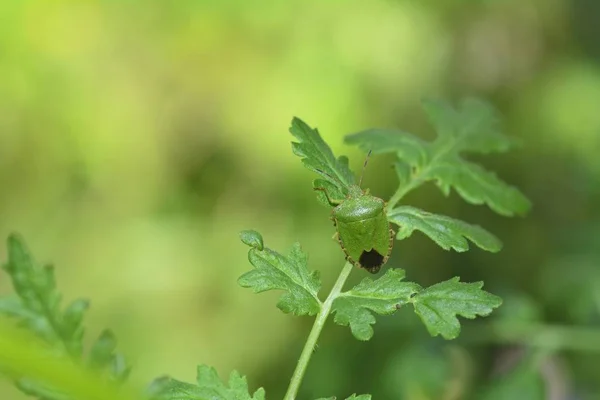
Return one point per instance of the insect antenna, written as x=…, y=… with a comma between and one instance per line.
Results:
x=363, y=169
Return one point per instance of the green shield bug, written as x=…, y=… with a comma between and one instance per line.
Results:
x=363, y=230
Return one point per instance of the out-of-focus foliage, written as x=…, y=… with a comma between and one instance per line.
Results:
x=30, y=357
x=36, y=306
x=209, y=386
x=473, y=128
x=353, y=397
x=137, y=139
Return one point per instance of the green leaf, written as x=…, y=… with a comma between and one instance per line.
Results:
x=475, y=123
x=34, y=389
x=38, y=303
x=274, y=271
x=28, y=360
x=102, y=350
x=439, y=305
x=448, y=233
x=317, y=156
x=37, y=308
x=209, y=387
x=383, y=296
x=103, y=356
x=472, y=128
x=353, y=397
x=252, y=238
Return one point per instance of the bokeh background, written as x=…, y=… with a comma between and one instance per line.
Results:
x=138, y=138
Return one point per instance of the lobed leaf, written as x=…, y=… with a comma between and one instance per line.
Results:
x=439, y=305
x=103, y=356
x=478, y=186
x=353, y=397
x=382, y=296
x=475, y=125
x=208, y=386
x=274, y=271
x=36, y=306
x=252, y=239
x=472, y=128
x=409, y=148
x=448, y=233
x=27, y=360
x=34, y=389
x=317, y=156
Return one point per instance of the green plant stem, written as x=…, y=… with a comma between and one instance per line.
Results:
x=315, y=332
x=403, y=190
x=420, y=176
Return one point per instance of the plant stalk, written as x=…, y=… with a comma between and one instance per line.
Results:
x=402, y=191
x=418, y=177
x=315, y=332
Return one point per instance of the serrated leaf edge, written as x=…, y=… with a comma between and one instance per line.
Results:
x=466, y=238
x=479, y=284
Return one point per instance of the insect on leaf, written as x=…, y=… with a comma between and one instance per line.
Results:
x=439, y=305
x=382, y=296
x=273, y=271
x=448, y=233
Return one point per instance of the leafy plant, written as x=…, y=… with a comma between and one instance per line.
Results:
x=472, y=128
x=37, y=308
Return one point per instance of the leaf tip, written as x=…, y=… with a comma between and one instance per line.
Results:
x=493, y=245
x=252, y=238
x=525, y=207
x=297, y=124
x=495, y=301
x=16, y=242
x=15, y=237
x=364, y=337
x=18, y=253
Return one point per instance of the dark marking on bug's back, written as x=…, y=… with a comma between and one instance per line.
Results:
x=371, y=261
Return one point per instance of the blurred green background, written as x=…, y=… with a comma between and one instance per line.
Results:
x=138, y=138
